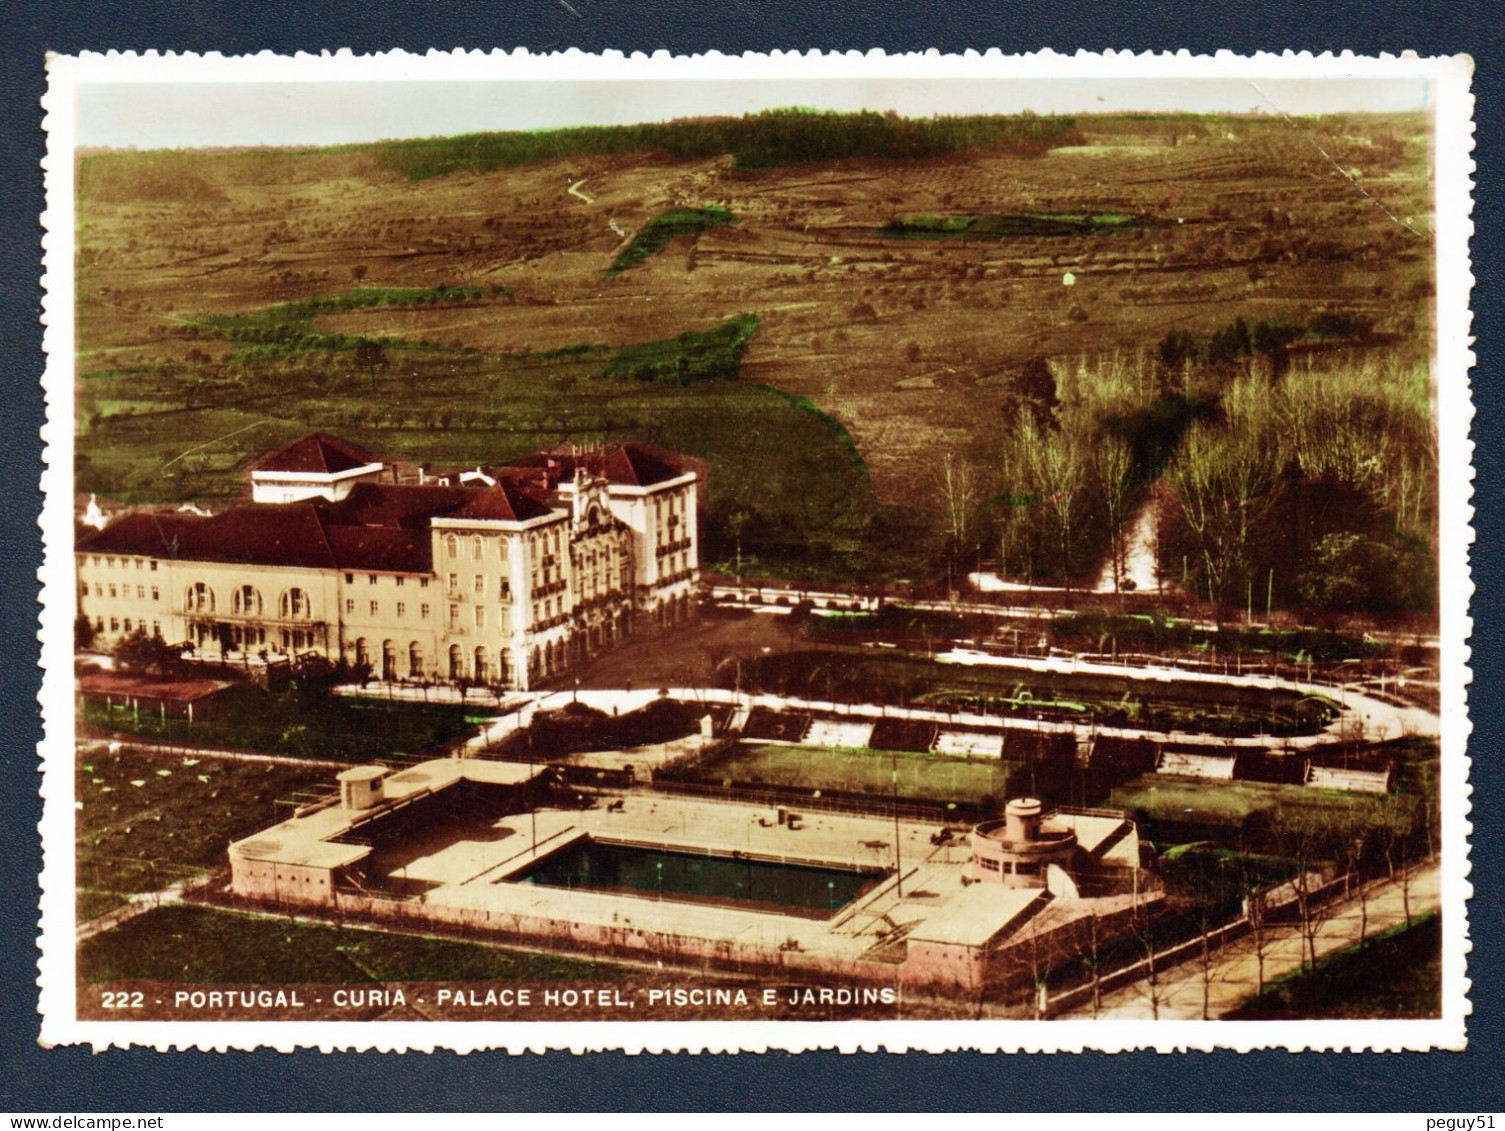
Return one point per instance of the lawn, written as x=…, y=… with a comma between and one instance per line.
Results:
x=927, y=777
x=1179, y=809
x=1396, y=974
x=146, y=821
x=199, y=945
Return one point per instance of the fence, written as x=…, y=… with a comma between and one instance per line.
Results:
x=1292, y=904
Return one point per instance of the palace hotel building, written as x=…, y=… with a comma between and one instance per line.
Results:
x=502, y=576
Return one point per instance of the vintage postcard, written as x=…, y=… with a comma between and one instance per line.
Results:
x=771, y=552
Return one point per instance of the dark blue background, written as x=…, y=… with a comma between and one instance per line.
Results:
x=33, y=1079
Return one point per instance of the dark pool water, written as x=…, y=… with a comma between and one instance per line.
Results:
x=755, y=885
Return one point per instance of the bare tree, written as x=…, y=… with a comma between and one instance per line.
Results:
x=1303, y=839
x=1112, y=461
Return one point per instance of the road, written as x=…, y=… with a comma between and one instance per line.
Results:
x=1234, y=974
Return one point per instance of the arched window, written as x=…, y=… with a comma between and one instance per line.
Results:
x=415, y=661
x=388, y=660
x=362, y=653
x=452, y=546
x=475, y=547
x=456, y=662
x=200, y=598
x=295, y=605
x=246, y=601
x=482, y=669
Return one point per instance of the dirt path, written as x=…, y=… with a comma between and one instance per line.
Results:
x=574, y=190
x=138, y=904
x=1233, y=977
x=97, y=746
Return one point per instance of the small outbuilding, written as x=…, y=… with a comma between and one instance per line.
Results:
x=151, y=695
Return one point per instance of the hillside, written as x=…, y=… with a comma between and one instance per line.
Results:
x=897, y=298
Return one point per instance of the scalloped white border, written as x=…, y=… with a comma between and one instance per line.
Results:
x=1453, y=140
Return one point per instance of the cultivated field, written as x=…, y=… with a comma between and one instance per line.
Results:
x=888, y=307
x=147, y=821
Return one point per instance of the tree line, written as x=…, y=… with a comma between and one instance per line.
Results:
x=1315, y=487
x=763, y=140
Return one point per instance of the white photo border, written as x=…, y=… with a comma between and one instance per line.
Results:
x=1453, y=140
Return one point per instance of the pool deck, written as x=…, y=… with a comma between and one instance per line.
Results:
x=476, y=874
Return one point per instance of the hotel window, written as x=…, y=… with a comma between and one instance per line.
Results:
x=480, y=617
x=350, y=579
x=452, y=546
x=96, y=561
x=401, y=610
x=506, y=590
x=374, y=608
x=99, y=624
x=371, y=580
x=398, y=580
x=480, y=584
x=156, y=593
x=141, y=592
x=114, y=624
x=99, y=590
x=154, y=565
x=423, y=612
x=109, y=563
x=423, y=583
x=112, y=590
x=138, y=563
x=295, y=604
x=83, y=589
x=157, y=629
x=454, y=616
x=475, y=548
x=349, y=608
x=126, y=624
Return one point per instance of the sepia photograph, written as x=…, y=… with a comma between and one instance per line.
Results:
x=539, y=540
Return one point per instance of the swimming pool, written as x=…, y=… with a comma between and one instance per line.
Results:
x=805, y=890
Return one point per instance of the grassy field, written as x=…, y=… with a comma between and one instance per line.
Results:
x=667, y=226
x=1395, y=974
x=926, y=777
x=198, y=945
x=1178, y=809
x=145, y=821
x=350, y=364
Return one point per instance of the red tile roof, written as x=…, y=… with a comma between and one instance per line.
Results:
x=317, y=452
x=149, y=687
x=406, y=506
x=505, y=501
x=627, y=462
x=377, y=527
